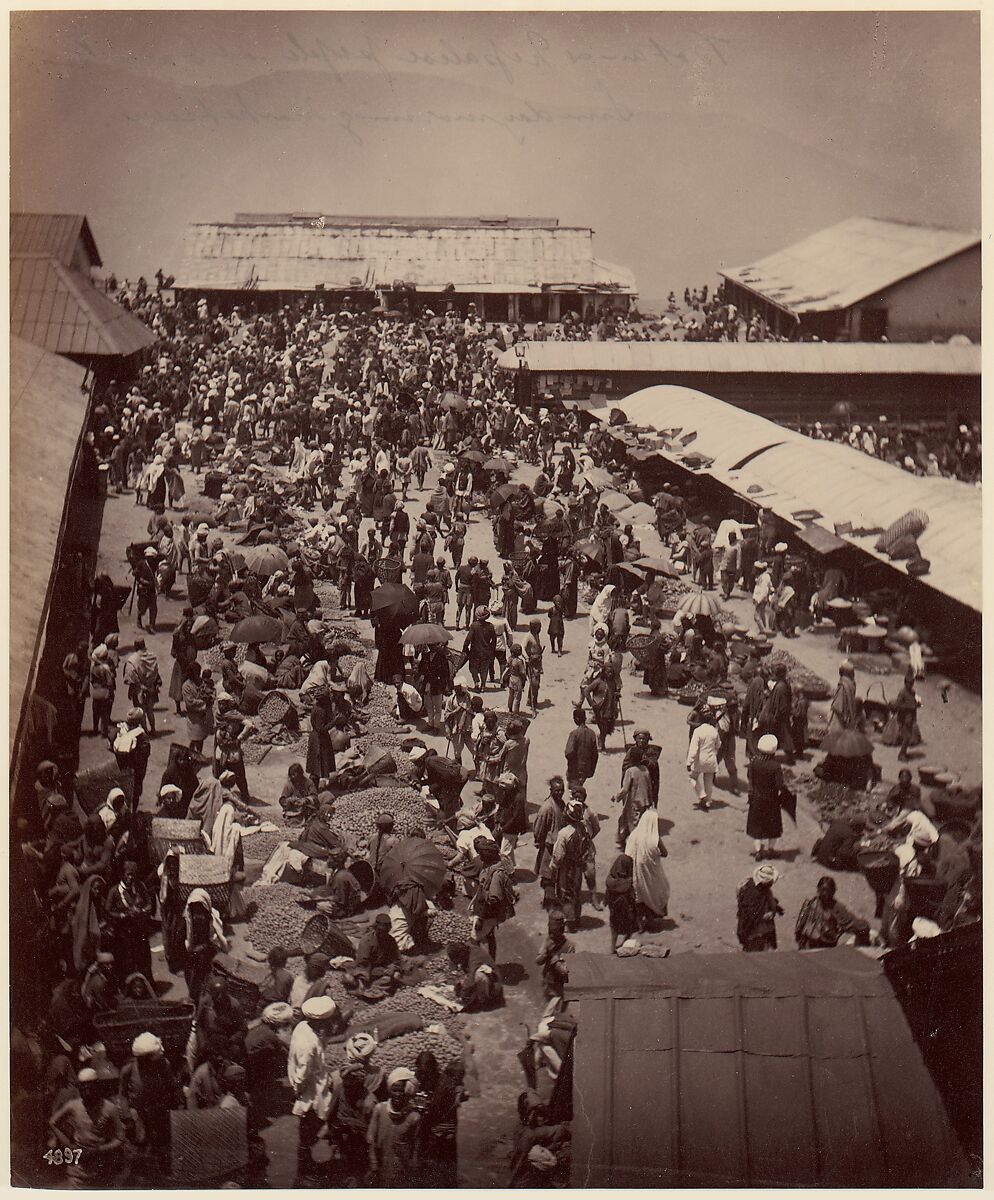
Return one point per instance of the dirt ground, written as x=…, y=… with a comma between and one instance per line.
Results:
x=709, y=853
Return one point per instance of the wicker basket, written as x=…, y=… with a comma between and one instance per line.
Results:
x=505, y=718
x=274, y=708
x=93, y=785
x=243, y=982
x=167, y=1019
x=322, y=934
x=638, y=646
x=389, y=570
x=168, y=831
x=210, y=872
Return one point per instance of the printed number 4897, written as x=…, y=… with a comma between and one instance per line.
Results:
x=60, y=1158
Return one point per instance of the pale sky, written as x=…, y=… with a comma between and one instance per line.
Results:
x=687, y=141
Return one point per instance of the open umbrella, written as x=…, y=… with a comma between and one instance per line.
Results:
x=395, y=600
x=847, y=743
x=631, y=569
x=498, y=464
x=475, y=456
x=425, y=635
x=453, y=402
x=614, y=501
x=414, y=859
x=256, y=629
x=505, y=492
x=660, y=566
x=266, y=560
x=638, y=514
x=551, y=508
x=698, y=604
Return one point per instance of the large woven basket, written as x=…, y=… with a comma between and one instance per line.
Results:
x=170, y=831
x=93, y=785
x=168, y=1019
x=389, y=570
x=243, y=981
x=638, y=646
x=321, y=933
x=210, y=872
x=274, y=708
x=207, y=1144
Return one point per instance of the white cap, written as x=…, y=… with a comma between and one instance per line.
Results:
x=319, y=1008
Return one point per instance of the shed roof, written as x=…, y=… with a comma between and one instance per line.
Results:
x=360, y=222
x=839, y=266
x=789, y=473
x=47, y=415
x=60, y=310
x=54, y=235
x=293, y=256
x=766, y=358
x=791, y=1069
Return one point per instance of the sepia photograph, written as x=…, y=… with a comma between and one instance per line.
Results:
x=494, y=538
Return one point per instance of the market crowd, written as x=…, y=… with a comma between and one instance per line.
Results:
x=355, y=411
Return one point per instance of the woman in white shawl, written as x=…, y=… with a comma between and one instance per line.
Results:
x=602, y=607
x=226, y=841
x=298, y=459
x=646, y=850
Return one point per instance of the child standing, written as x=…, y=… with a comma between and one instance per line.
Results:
x=619, y=891
x=557, y=624
x=514, y=678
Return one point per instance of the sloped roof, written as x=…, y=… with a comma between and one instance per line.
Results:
x=360, y=222
x=295, y=256
x=771, y=358
x=788, y=1069
x=841, y=265
x=61, y=311
x=47, y=415
x=790, y=473
x=53, y=235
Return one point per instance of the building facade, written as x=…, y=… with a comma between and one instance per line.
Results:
x=511, y=268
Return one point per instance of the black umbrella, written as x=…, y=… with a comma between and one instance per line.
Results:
x=396, y=601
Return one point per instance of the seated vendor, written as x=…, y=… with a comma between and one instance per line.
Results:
x=836, y=849
x=341, y=896
x=906, y=796
x=377, y=961
x=480, y=987
x=318, y=839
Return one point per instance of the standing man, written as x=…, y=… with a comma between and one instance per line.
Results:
x=310, y=1076
x=730, y=564
x=581, y=750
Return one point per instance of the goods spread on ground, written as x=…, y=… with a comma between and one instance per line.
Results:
x=277, y=919
x=800, y=678
x=403, y=1050
x=354, y=819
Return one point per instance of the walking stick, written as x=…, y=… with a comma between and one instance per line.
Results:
x=621, y=721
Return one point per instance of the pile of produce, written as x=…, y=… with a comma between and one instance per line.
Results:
x=671, y=591
x=408, y=1000
x=278, y=919
x=255, y=749
x=403, y=1051
x=813, y=686
x=355, y=814
x=213, y=658
x=449, y=926
x=835, y=800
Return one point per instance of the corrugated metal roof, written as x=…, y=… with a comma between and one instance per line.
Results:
x=54, y=235
x=47, y=414
x=61, y=311
x=841, y=265
x=788, y=1069
x=292, y=257
x=790, y=473
x=773, y=358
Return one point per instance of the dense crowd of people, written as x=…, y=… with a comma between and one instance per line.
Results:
x=360, y=413
x=920, y=452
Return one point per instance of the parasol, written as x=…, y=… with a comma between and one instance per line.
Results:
x=453, y=402
x=417, y=860
x=698, y=604
x=505, y=492
x=639, y=514
x=614, y=501
x=631, y=569
x=475, y=456
x=597, y=477
x=498, y=464
x=425, y=635
x=661, y=566
x=257, y=629
x=847, y=743
x=551, y=508
x=394, y=600
x=266, y=560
